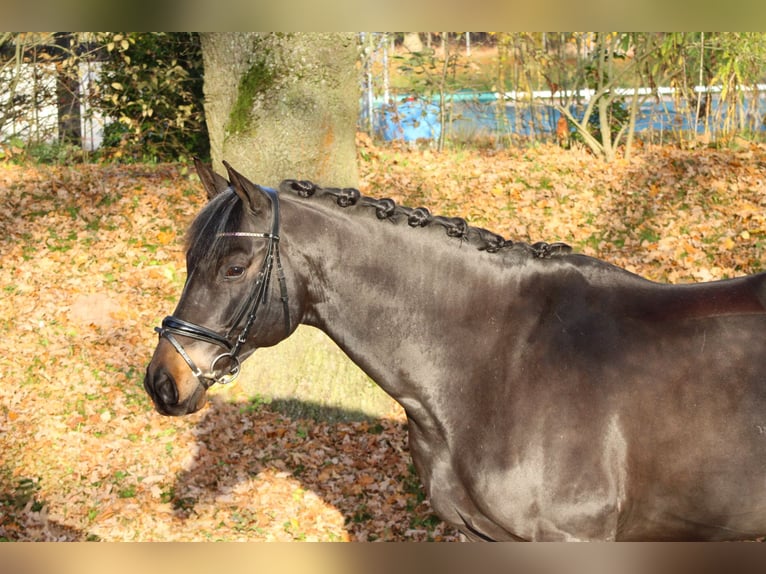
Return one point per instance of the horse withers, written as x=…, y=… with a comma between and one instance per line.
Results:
x=549, y=395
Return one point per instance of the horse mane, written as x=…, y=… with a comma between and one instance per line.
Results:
x=207, y=242
x=456, y=227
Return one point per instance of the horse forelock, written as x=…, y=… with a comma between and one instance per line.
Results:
x=205, y=244
x=455, y=227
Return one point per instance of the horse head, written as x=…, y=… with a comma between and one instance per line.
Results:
x=235, y=298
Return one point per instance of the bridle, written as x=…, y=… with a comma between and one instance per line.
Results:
x=172, y=326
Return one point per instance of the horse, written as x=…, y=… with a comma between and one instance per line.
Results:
x=549, y=395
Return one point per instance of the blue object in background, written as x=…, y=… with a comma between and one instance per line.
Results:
x=410, y=118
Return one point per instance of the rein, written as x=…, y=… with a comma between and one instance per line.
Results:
x=172, y=326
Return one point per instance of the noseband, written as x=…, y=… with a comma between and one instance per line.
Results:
x=172, y=326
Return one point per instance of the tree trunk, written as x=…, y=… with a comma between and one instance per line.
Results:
x=68, y=91
x=283, y=106
x=413, y=43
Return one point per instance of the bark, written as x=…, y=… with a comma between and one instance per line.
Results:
x=413, y=43
x=67, y=91
x=283, y=106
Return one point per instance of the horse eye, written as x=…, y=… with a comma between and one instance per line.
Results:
x=234, y=271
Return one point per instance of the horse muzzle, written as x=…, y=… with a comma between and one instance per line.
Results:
x=174, y=390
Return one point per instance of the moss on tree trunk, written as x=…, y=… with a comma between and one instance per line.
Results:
x=283, y=105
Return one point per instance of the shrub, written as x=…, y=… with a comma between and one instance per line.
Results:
x=151, y=87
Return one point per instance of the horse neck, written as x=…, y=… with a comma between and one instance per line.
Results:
x=390, y=295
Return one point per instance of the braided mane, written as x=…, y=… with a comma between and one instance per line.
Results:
x=457, y=227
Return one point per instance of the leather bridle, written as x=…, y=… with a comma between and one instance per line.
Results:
x=172, y=326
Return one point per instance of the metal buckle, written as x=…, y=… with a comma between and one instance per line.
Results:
x=234, y=370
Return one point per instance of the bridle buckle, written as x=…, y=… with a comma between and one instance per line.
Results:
x=234, y=369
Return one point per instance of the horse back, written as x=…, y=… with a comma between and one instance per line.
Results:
x=624, y=409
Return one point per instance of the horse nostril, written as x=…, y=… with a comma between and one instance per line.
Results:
x=166, y=391
x=161, y=387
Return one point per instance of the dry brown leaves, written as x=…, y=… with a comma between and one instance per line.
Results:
x=671, y=215
x=91, y=261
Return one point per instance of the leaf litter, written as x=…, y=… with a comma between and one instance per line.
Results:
x=92, y=259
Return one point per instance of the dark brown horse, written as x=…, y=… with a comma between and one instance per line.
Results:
x=549, y=395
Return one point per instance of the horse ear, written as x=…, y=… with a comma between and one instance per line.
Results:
x=211, y=181
x=250, y=193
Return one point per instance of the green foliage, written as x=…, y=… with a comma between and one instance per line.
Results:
x=431, y=73
x=151, y=84
x=605, y=63
x=732, y=61
x=617, y=118
x=53, y=153
x=26, y=88
x=435, y=74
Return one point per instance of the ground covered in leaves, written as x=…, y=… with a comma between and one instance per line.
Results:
x=91, y=260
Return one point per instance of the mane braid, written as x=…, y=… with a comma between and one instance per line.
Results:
x=456, y=227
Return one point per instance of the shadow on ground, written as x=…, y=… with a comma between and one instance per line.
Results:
x=24, y=514
x=252, y=453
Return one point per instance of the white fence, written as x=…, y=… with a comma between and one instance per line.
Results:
x=29, y=91
x=28, y=107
